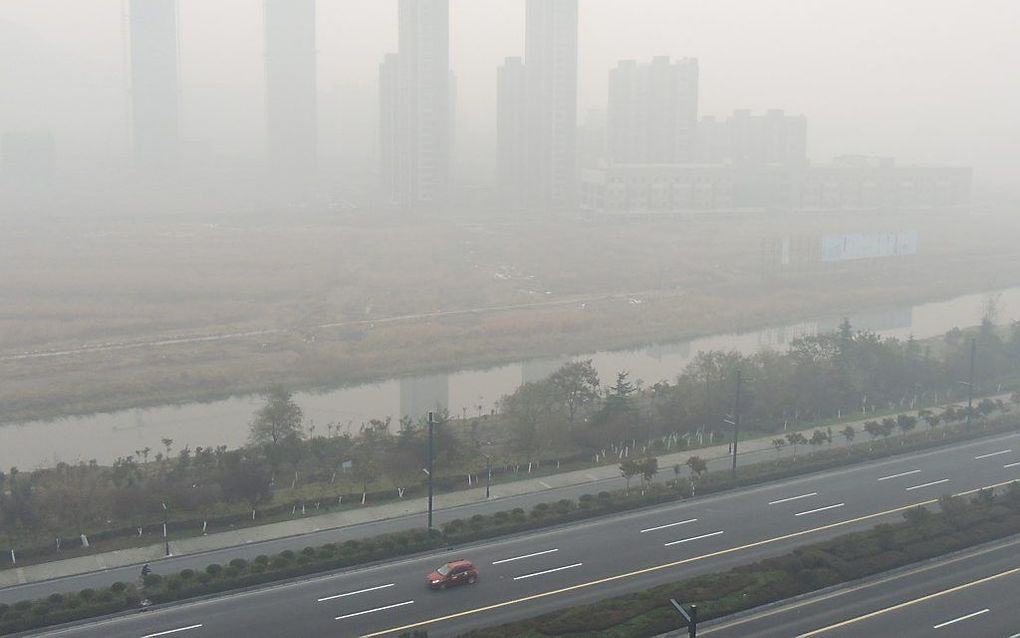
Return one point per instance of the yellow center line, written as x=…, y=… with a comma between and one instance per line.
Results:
x=655, y=568
x=909, y=603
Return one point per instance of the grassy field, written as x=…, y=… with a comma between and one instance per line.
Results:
x=85, y=283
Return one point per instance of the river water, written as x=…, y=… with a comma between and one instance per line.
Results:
x=104, y=437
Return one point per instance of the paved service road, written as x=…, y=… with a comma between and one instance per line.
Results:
x=525, y=575
x=969, y=594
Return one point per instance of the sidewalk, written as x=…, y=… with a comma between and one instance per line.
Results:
x=368, y=514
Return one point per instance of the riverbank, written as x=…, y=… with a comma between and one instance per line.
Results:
x=514, y=294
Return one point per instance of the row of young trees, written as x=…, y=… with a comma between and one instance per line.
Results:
x=841, y=374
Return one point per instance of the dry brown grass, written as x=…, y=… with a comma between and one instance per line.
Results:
x=82, y=283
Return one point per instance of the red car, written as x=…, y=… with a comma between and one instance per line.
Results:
x=458, y=572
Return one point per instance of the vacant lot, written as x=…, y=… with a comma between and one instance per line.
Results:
x=580, y=285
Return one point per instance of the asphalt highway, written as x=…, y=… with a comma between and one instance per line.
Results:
x=969, y=594
x=525, y=575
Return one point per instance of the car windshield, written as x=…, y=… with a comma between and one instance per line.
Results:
x=444, y=570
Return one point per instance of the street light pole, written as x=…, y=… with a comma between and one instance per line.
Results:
x=736, y=421
x=431, y=466
x=166, y=539
x=488, y=474
x=970, y=384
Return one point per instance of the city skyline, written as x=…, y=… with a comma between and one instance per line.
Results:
x=478, y=152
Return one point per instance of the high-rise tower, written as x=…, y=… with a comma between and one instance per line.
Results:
x=550, y=58
x=155, y=86
x=291, y=109
x=415, y=107
x=653, y=112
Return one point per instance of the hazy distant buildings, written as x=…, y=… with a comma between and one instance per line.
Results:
x=653, y=112
x=416, y=107
x=774, y=138
x=155, y=86
x=867, y=183
x=511, y=131
x=292, y=125
x=550, y=59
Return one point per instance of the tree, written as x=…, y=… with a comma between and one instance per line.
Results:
x=527, y=408
x=574, y=386
x=873, y=428
x=778, y=444
x=906, y=423
x=887, y=427
x=698, y=466
x=246, y=479
x=795, y=439
x=818, y=438
x=278, y=420
x=649, y=468
x=931, y=420
x=630, y=468
x=848, y=434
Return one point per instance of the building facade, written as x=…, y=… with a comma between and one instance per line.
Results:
x=511, y=131
x=155, y=83
x=550, y=58
x=416, y=108
x=291, y=96
x=653, y=112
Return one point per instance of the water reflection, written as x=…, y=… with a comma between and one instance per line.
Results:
x=466, y=392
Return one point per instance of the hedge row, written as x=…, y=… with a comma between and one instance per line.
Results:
x=61, y=608
x=922, y=535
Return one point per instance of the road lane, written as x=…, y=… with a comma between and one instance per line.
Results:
x=943, y=597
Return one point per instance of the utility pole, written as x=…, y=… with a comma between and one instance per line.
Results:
x=736, y=421
x=431, y=466
x=970, y=384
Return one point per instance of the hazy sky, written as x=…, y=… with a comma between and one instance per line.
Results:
x=923, y=80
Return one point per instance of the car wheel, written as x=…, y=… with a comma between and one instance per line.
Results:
x=471, y=580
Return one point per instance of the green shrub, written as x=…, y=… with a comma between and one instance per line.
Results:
x=240, y=563
x=119, y=587
x=262, y=559
x=231, y=572
x=203, y=578
x=214, y=570
x=279, y=562
x=56, y=599
x=187, y=574
x=287, y=554
x=88, y=593
x=106, y=595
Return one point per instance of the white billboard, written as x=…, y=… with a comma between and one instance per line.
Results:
x=873, y=246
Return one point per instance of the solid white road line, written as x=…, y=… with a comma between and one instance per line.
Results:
x=654, y=529
x=985, y=456
x=171, y=631
x=886, y=478
x=548, y=571
x=354, y=593
x=510, y=560
x=693, y=538
x=820, y=509
x=1006, y=467
x=793, y=498
x=917, y=487
x=545, y=485
x=956, y=620
x=372, y=611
